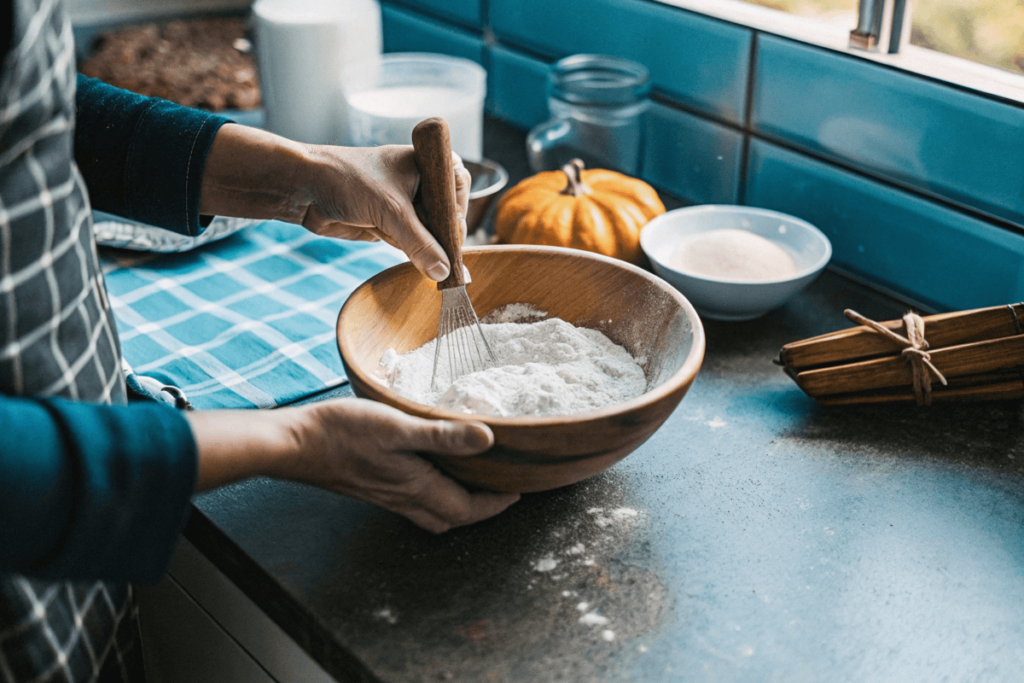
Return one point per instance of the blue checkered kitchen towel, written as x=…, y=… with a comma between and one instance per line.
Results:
x=245, y=322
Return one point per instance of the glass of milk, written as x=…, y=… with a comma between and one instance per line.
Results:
x=386, y=97
x=303, y=49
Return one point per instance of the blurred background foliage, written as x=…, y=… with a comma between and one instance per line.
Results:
x=986, y=31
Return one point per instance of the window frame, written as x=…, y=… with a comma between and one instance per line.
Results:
x=912, y=59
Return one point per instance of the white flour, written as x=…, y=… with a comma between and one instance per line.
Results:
x=733, y=255
x=545, y=368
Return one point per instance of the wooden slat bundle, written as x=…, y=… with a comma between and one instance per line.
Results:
x=980, y=353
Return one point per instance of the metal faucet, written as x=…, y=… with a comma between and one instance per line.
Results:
x=882, y=25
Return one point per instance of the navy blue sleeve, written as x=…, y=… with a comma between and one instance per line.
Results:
x=90, y=491
x=143, y=157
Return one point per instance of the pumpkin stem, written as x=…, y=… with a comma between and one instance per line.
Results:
x=574, y=174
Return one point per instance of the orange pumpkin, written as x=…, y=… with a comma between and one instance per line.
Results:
x=596, y=210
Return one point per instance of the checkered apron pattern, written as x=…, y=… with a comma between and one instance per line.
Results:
x=57, y=338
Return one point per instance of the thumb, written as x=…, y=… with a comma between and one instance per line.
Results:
x=463, y=185
x=452, y=437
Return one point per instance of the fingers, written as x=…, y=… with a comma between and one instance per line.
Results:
x=445, y=504
x=401, y=224
x=463, y=185
x=368, y=451
x=476, y=508
x=372, y=189
x=415, y=240
x=324, y=227
x=442, y=502
x=399, y=219
x=403, y=432
x=456, y=438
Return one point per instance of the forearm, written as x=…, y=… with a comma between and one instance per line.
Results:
x=238, y=444
x=251, y=173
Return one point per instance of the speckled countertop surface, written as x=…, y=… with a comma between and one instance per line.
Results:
x=755, y=537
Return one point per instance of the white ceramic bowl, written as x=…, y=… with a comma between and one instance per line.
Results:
x=488, y=179
x=725, y=299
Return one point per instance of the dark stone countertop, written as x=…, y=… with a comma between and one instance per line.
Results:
x=755, y=537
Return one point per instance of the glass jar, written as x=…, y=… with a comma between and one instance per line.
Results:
x=596, y=104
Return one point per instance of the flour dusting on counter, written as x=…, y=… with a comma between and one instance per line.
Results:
x=548, y=367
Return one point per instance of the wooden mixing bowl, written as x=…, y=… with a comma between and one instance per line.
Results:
x=399, y=309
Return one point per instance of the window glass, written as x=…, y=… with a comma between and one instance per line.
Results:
x=986, y=31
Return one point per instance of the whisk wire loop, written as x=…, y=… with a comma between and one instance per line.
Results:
x=460, y=332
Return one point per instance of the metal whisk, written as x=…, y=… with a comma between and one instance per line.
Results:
x=458, y=327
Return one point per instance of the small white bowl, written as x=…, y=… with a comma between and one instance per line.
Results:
x=727, y=299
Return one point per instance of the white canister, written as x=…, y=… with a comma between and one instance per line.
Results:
x=303, y=48
x=388, y=96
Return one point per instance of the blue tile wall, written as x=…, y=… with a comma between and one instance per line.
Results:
x=692, y=157
x=930, y=253
x=516, y=88
x=700, y=62
x=852, y=146
x=930, y=136
x=407, y=32
x=466, y=12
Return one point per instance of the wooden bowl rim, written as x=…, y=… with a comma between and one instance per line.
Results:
x=682, y=377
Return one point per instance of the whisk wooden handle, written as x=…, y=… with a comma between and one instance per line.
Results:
x=433, y=152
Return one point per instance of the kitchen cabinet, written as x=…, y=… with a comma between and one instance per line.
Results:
x=198, y=626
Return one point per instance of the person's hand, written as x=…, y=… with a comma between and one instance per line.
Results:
x=362, y=449
x=367, y=194
x=367, y=450
x=355, y=193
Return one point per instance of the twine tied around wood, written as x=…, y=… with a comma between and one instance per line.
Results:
x=915, y=350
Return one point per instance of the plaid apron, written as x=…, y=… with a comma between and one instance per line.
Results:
x=57, y=338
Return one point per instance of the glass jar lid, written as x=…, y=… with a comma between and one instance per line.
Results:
x=599, y=80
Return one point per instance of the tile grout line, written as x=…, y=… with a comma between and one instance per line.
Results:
x=747, y=126
x=893, y=184
x=427, y=18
